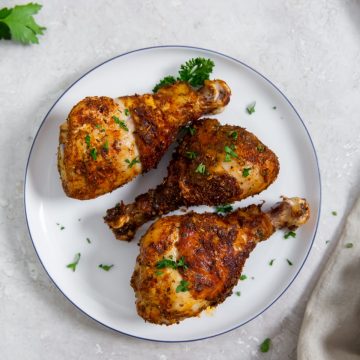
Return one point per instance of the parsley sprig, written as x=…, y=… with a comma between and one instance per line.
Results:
x=195, y=71
x=132, y=162
x=224, y=208
x=18, y=24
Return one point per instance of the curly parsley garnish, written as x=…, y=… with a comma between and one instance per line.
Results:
x=195, y=72
x=73, y=265
x=167, y=80
x=126, y=112
x=18, y=24
x=183, y=286
x=132, y=162
x=120, y=123
x=224, y=208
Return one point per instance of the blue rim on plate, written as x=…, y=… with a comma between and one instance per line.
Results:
x=225, y=56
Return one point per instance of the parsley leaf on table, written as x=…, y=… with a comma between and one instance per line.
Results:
x=18, y=23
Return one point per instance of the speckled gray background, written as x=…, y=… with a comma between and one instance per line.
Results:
x=310, y=49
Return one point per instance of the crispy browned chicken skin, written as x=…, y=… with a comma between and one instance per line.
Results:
x=106, y=142
x=213, y=165
x=210, y=251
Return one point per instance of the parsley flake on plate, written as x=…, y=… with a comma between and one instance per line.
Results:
x=201, y=169
x=105, y=267
x=290, y=233
x=74, y=264
x=251, y=108
x=224, y=208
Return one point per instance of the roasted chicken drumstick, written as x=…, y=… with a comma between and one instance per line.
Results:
x=189, y=262
x=214, y=164
x=106, y=142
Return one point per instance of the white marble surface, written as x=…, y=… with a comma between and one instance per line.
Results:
x=310, y=49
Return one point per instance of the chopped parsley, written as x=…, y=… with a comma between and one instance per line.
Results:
x=191, y=154
x=126, y=112
x=106, y=145
x=132, y=162
x=73, y=265
x=224, y=208
x=238, y=293
x=120, y=123
x=61, y=227
x=349, y=245
x=87, y=140
x=246, y=172
x=334, y=213
x=243, y=277
x=271, y=262
x=233, y=134
x=169, y=263
x=93, y=153
x=290, y=233
x=88, y=240
x=251, y=108
x=201, y=169
x=229, y=150
x=260, y=148
x=265, y=345
x=105, y=267
x=183, y=286
x=191, y=130
x=158, y=272
x=289, y=262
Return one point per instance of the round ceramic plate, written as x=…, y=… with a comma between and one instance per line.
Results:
x=60, y=226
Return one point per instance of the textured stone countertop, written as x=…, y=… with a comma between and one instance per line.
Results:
x=310, y=49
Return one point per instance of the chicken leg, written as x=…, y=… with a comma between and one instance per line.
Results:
x=106, y=142
x=189, y=262
x=213, y=165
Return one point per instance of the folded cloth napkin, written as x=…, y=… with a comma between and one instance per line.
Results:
x=331, y=325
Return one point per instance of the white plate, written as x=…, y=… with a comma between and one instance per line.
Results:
x=107, y=296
